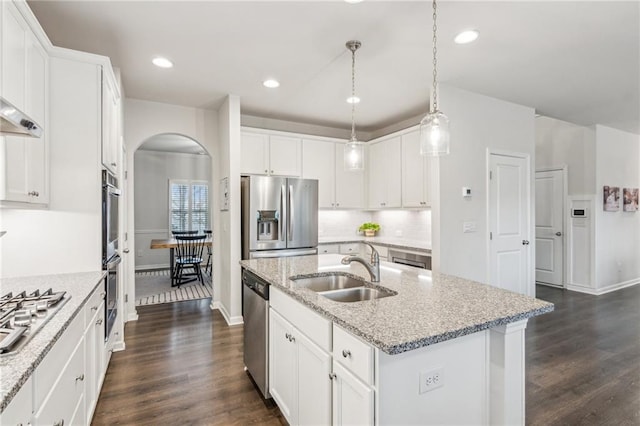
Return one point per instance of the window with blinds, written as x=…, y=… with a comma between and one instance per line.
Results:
x=188, y=205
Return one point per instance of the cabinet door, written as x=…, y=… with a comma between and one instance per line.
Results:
x=352, y=399
x=413, y=175
x=393, y=172
x=318, y=163
x=13, y=53
x=377, y=170
x=254, y=148
x=19, y=410
x=282, y=366
x=314, y=385
x=109, y=124
x=285, y=156
x=350, y=190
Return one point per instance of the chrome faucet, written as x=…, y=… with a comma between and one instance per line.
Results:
x=373, y=267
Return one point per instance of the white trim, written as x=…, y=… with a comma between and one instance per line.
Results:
x=119, y=346
x=229, y=319
x=603, y=290
x=132, y=316
x=290, y=134
x=151, y=231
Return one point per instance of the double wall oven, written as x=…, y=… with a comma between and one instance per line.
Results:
x=110, y=257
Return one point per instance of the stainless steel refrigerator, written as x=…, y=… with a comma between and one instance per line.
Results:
x=279, y=216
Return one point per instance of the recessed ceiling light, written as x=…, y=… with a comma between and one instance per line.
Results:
x=271, y=83
x=161, y=62
x=466, y=37
x=353, y=100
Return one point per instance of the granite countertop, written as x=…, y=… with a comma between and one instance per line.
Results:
x=429, y=308
x=395, y=242
x=16, y=368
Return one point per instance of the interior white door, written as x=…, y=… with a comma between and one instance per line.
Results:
x=509, y=221
x=549, y=227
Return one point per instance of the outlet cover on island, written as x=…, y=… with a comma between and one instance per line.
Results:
x=431, y=379
x=398, y=232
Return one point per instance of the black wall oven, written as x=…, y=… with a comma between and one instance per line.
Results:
x=110, y=257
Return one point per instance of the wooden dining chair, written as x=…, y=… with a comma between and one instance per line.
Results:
x=189, y=256
x=209, y=265
x=175, y=233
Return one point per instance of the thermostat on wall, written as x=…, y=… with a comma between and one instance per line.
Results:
x=579, y=213
x=466, y=191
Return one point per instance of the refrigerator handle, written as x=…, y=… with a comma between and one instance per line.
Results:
x=291, y=212
x=282, y=191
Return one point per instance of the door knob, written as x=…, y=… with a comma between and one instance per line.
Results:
x=558, y=234
x=126, y=250
x=525, y=242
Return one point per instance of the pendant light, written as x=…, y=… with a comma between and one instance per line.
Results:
x=434, y=127
x=354, y=149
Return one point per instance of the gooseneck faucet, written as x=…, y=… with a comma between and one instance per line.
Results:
x=373, y=267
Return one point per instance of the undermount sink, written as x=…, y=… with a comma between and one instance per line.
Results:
x=356, y=294
x=342, y=288
x=328, y=282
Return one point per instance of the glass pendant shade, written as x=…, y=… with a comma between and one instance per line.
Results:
x=354, y=155
x=434, y=134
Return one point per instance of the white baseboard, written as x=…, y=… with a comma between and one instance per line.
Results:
x=133, y=316
x=120, y=346
x=603, y=290
x=150, y=267
x=228, y=318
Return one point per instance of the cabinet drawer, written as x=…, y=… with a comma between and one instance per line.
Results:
x=93, y=304
x=328, y=248
x=350, y=248
x=354, y=354
x=383, y=251
x=49, y=369
x=20, y=408
x=62, y=402
x=315, y=327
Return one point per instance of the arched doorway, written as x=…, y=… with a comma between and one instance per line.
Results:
x=172, y=191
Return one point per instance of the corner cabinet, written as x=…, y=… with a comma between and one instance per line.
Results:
x=385, y=173
x=110, y=124
x=270, y=154
x=416, y=172
x=23, y=82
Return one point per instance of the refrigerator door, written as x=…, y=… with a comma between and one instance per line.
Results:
x=302, y=212
x=266, y=217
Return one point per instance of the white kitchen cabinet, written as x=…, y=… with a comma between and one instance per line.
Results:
x=95, y=349
x=266, y=154
x=385, y=173
x=416, y=172
x=350, y=248
x=299, y=373
x=110, y=124
x=20, y=409
x=328, y=248
x=24, y=83
x=318, y=162
x=353, y=400
x=350, y=185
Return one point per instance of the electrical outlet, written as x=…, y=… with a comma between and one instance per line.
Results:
x=431, y=379
x=398, y=233
x=139, y=253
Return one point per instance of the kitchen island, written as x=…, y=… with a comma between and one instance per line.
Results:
x=441, y=350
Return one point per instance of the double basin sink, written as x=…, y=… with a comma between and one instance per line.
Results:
x=340, y=287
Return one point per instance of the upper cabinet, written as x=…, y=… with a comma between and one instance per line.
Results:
x=110, y=124
x=269, y=154
x=385, y=173
x=416, y=172
x=24, y=83
x=324, y=160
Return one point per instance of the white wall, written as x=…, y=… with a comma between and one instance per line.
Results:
x=67, y=236
x=617, y=239
x=145, y=119
x=230, y=302
x=559, y=143
x=153, y=170
x=477, y=123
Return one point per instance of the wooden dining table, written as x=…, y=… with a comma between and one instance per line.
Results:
x=172, y=244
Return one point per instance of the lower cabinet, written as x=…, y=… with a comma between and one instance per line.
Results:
x=299, y=374
x=353, y=400
x=20, y=410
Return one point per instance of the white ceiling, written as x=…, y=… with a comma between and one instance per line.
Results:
x=172, y=143
x=576, y=61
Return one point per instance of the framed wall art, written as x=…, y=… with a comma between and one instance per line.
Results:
x=630, y=199
x=611, y=198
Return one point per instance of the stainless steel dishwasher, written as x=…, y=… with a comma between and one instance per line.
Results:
x=255, y=309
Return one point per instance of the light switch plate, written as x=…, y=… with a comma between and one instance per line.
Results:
x=468, y=227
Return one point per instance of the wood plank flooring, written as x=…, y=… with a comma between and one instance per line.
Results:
x=183, y=365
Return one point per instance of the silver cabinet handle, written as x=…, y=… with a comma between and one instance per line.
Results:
x=332, y=376
x=99, y=322
x=102, y=295
x=94, y=308
x=346, y=353
x=287, y=336
x=59, y=423
x=525, y=242
x=292, y=339
x=271, y=171
x=113, y=164
x=125, y=251
x=80, y=377
x=558, y=234
x=34, y=193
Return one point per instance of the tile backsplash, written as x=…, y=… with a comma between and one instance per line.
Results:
x=409, y=224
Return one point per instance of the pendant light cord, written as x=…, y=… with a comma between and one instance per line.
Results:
x=435, y=60
x=353, y=92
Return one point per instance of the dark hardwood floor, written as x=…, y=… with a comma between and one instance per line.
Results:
x=183, y=365
x=583, y=359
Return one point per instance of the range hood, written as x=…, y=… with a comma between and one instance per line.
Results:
x=14, y=122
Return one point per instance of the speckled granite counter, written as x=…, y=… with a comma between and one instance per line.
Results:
x=399, y=243
x=16, y=368
x=427, y=309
